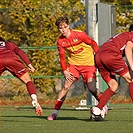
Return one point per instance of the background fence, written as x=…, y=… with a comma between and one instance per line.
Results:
x=30, y=25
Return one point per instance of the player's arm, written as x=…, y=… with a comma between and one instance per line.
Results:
x=31, y=68
x=128, y=53
x=94, y=45
x=23, y=56
x=62, y=57
x=89, y=41
x=68, y=75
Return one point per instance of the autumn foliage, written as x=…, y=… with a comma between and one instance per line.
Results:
x=31, y=23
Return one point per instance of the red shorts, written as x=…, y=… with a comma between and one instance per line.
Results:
x=109, y=64
x=13, y=65
x=85, y=71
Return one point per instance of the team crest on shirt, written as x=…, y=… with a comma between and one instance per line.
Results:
x=75, y=40
x=64, y=44
x=68, y=69
x=2, y=44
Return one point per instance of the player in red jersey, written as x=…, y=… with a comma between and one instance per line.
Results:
x=9, y=60
x=81, y=49
x=109, y=61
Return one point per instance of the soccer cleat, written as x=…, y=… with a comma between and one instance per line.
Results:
x=94, y=117
x=95, y=114
x=37, y=107
x=52, y=117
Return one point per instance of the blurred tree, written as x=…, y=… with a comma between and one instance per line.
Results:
x=32, y=23
x=124, y=13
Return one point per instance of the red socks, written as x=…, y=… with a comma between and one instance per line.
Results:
x=131, y=90
x=31, y=87
x=58, y=104
x=104, y=98
x=108, y=93
x=99, y=97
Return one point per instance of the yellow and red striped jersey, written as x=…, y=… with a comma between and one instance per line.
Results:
x=80, y=48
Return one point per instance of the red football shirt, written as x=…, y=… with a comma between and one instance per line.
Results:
x=117, y=43
x=80, y=48
x=8, y=49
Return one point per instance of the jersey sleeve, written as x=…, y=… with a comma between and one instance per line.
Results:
x=131, y=36
x=62, y=57
x=89, y=41
x=20, y=53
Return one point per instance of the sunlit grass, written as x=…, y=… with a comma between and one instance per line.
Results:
x=24, y=120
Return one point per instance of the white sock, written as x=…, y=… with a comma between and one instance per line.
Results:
x=59, y=100
x=56, y=112
x=34, y=97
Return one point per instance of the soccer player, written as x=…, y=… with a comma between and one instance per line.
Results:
x=80, y=48
x=109, y=61
x=9, y=60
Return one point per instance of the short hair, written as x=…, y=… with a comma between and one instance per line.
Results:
x=131, y=28
x=2, y=39
x=60, y=20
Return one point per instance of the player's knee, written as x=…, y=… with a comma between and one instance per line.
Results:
x=93, y=91
x=114, y=86
x=66, y=87
x=25, y=78
x=92, y=87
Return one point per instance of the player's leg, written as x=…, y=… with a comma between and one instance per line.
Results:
x=15, y=66
x=29, y=84
x=61, y=98
x=113, y=86
x=32, y=91
x=96, y=111
x=89, y=77
x=128, y=78
x=63, y=93
x=131, y=90
x=91, y=85
x=115, y=64
x=104, y=70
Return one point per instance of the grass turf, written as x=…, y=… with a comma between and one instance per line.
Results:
x=24, y=120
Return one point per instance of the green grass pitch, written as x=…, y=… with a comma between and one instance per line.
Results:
x=24, y=120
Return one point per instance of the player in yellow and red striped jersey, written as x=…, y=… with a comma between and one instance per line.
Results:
x=80, y=49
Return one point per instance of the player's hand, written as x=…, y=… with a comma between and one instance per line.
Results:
x=68, y=75
x=31, y=68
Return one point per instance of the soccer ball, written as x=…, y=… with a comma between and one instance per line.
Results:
x=95, y=111
x=104, y=111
